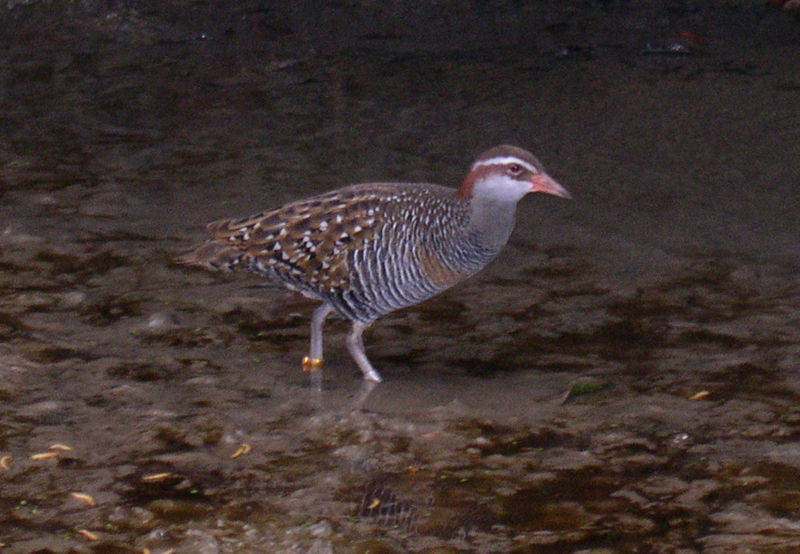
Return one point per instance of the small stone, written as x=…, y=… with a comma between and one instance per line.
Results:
x=72, y=299
x=321, y=546
x=42, y=412
x=322, y=529
x=161, y=320
x=198, y=541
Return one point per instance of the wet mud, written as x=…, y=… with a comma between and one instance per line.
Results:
x=624, y=378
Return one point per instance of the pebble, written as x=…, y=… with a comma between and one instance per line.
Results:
x=72, y=299
x=42, y=412
x=161, y=320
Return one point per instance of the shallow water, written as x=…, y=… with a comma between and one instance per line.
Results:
x=623, y=378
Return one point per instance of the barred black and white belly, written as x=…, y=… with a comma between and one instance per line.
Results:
x=385, y=275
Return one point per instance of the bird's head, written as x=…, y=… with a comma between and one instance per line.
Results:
x=507, y=173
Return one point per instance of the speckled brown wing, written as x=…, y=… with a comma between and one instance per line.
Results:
x=308, y=240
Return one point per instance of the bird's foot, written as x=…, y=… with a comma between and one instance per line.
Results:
x=371, y=375
x=311, y=364
x=314, y=367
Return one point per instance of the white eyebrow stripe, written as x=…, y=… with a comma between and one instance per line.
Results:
x=505, y=160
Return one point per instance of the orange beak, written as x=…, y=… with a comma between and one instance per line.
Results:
x=542, y=182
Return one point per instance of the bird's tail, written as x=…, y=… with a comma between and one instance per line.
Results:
x=213, y=255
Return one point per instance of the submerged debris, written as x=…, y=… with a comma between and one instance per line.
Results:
x=382, y=506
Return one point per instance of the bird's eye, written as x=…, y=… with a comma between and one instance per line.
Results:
x=515, y=169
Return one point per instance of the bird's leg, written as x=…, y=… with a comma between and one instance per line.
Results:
x=313, y=361
x=363, y=394
x=355, y=345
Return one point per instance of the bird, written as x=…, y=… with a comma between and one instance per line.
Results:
x=368, y=249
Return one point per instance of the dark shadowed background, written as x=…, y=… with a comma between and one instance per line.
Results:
x=624, y=378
